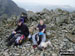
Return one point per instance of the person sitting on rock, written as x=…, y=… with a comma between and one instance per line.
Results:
x=21, y=29
x=39, y=37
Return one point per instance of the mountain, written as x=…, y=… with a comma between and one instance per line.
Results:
x=60, y=34
x=36, y=8
x=9, y=8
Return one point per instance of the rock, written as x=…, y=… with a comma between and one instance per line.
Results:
x=16, y=54
x=70, y=37
x=48, y=34
x=32, y=16
x=71, y=49
x=42, y=54
x=5, y=54
x=32, y=50
x=60, y=31
x=45, y=11
x=62, y=19
x=54, y=54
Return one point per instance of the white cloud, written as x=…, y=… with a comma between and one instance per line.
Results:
x=47, y=2
x=40, y=4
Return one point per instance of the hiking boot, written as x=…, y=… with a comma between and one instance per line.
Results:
x=34, y=46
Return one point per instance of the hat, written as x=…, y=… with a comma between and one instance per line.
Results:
x=21, y=20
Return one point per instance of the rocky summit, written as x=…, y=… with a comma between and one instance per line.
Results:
x=60, y=31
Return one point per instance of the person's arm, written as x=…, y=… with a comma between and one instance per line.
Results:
x=37, y=27
x=44, y=29
x=17, y=29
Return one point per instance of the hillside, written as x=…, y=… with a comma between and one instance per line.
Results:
x=9, y=8
x=60, y=31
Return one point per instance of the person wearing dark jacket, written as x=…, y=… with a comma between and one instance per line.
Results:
x=21, y=29
x=40, y=36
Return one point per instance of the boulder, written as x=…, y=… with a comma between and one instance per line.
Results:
x=32, y=16
x=60, y=31
x=70, y=37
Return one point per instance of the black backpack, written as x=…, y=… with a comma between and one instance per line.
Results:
x=38, y=38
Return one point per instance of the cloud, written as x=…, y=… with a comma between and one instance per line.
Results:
x=46, y=2
x=36, y=5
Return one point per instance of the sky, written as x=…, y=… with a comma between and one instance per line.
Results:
x=33, y=3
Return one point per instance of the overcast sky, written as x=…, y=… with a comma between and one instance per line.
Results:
x=28, y=3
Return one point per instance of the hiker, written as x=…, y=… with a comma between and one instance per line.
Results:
x=22, y=31
x=39, y=36
x=23, y=16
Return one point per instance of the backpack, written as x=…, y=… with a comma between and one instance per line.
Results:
x=38, y=38
x=19, y=39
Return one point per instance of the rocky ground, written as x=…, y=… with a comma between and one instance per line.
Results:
x=60, y=31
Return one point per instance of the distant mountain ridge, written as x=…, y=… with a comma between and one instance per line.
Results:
x=10, y=8
x=36, y=8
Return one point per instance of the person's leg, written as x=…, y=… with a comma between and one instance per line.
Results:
x=15, y=44
x=44, y=38
x=34, y=39
x=17, y=40
x=40, y=39
x=30, y=37
x=11, y=41
x=10, y=37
